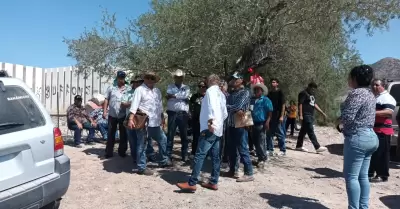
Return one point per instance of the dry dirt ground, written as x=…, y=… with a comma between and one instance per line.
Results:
x=299, y=181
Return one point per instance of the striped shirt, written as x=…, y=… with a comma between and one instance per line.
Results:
x=383, y=125
x=237, y=100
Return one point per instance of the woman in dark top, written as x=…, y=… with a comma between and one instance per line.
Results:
x=360, y=141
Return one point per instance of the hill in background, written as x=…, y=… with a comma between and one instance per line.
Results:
x=387, y=68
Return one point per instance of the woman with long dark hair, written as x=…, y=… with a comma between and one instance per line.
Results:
x=360, y=140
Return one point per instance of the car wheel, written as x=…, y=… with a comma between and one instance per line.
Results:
x=52, y=205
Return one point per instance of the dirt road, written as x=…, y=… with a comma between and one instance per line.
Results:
x=299, y=181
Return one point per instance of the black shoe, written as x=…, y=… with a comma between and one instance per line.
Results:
x=384, y=179
x=107, y=156
x=90, y=143
x=145, y=172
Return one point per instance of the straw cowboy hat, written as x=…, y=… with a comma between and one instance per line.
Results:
x=259, y=85
x=136, y=78
x=151, y=73
x=178, y=73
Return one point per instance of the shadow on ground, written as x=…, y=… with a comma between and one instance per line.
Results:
x=116, y=164
x=174, y=176
x=335, y=149
x=325, y=173
x=289, y=201
x=391, y=201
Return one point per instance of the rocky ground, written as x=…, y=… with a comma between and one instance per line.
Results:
x=299, y=180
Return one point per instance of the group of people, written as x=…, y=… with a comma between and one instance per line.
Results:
x=226, y=117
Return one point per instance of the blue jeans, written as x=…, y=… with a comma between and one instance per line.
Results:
x=141, y=144
x=277, y=129
x=239, y=144
x=358, y=149
x=103, y=128
x=149, y=148
x=207, y=141
x=78, y=132
x=180, y=120
x=132, y=139
x=259, y=138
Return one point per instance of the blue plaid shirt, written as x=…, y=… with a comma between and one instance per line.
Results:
x=237, y=100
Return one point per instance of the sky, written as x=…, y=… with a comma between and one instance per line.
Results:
x=31, y=32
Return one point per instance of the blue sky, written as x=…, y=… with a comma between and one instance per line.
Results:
x=31, y=32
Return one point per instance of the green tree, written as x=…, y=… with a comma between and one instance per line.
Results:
x=295, y=41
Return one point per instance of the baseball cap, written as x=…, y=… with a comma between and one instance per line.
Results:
x=121, y=74
x=78, y=97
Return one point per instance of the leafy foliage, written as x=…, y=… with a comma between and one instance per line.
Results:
x=295, y=41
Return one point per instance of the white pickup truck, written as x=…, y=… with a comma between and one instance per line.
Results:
x=393, y=87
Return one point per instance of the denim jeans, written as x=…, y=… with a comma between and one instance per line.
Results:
x=78, y=132
x=239, y=144
x=307, y=127
x=276, y=128
x=149, y=148
x=103, y=128
x=259, y=139
x=142, y=136
x=207, y=141
x=358, y=149
x=132, y=139
x=180, y=120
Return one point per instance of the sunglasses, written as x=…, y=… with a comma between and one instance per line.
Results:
x=149, y=77
x=202, y=87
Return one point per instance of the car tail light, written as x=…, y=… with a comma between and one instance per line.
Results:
x=58, y=143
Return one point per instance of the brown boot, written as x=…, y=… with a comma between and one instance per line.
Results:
x=186, y=187
x=245, y=178
x=210, y=186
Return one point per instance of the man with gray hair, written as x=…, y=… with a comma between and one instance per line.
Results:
x=212, y=115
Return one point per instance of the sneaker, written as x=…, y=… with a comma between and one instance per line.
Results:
x=302, y=149
x=210, y=186
x=321, y=149
x=146, y=172
x=270, y=153
x=166, y=165
x=78, y=145
x=245, y=178
x=282, y=154
x=186, y=187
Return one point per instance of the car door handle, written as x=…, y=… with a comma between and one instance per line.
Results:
x=42, y=141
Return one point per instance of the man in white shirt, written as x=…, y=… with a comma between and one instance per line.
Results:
x=147, y=98
x=178, y=95
x=212, y=115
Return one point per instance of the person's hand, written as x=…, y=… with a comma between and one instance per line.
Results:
x=240, y=113
x=131, y=124
x=94, y=124
x=105, y=115
x=325, y=116
x=281, y=119
x=80, y=126
x=267, y=125
x=301, y=118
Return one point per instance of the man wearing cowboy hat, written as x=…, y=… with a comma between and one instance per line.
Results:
x=178, y=95
x=261, y=111
x=116, y=115
x=147, y=98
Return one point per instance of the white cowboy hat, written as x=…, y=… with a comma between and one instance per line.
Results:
x=151, y=73
x=259, y=85
x=178, y=73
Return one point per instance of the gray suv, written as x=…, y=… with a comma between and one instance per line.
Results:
x=34, y=171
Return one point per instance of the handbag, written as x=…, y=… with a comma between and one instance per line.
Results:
x=140, y=119
x=243, y=121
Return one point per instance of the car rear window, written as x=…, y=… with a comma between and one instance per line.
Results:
x=18, y=111
x=395, y=92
